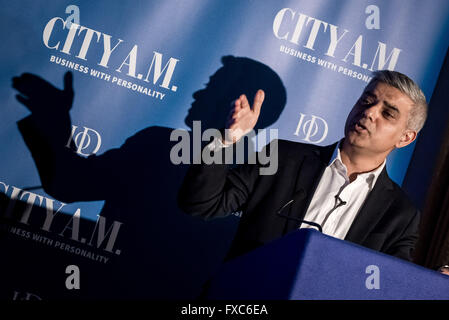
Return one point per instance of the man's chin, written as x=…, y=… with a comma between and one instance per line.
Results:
x=356, y=140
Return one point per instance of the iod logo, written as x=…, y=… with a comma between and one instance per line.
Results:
x=83, y=140
x=314, y=127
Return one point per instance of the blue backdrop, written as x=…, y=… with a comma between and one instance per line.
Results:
x=322, y=51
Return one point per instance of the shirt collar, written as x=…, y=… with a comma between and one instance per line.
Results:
x=370, y=177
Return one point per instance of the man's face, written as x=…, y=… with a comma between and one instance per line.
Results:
x=377, y=123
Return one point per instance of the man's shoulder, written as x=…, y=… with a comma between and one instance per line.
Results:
x=401, y=198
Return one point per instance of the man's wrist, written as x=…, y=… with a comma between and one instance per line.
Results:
x=217, y=144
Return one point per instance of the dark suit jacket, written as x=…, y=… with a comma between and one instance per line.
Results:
x=387, y=221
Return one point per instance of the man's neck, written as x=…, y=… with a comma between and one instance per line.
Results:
x=357, y=161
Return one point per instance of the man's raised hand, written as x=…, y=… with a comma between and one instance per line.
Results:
x=242, y=117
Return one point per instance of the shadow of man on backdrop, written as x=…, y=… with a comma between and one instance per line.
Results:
x=164, y=253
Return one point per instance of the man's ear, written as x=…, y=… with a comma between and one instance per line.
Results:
x=407, y=137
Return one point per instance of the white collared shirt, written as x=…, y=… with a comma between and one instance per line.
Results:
x=324, y=208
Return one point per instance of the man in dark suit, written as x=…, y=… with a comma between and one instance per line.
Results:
x=343, y=188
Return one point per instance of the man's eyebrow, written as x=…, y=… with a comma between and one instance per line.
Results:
x=369, y=93
x=387, y=104
x=391, y=107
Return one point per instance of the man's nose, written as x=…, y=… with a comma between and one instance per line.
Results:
x=373, y=111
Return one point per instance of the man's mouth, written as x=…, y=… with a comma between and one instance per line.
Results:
x=360, y=127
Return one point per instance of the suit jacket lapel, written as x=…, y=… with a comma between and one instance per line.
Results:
x=308, y=176
x=375, y=206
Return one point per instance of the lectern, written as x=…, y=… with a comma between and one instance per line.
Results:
x=307, y=264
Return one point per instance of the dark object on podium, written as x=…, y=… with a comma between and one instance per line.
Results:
x=309, y=265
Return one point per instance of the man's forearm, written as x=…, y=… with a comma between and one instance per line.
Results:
x=203, y=189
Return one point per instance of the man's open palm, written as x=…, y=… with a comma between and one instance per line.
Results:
x=242, y=117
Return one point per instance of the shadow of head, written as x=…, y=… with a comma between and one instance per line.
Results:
x=237, y=76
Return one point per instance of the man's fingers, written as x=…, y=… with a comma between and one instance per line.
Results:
x=238, y=104
x=233, y=110
x=244, y=101
x=258, y=100
x=238, y=114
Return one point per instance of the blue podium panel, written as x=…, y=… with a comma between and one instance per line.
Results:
x=309, y=265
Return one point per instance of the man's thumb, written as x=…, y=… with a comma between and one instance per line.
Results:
x=258, y=100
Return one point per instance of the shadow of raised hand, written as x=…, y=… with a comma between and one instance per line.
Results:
x=41, y=97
